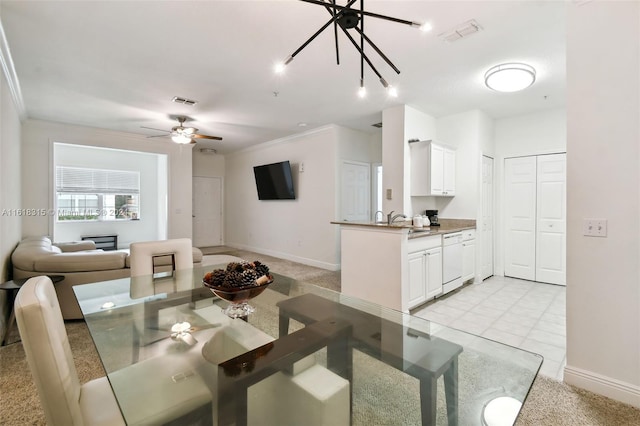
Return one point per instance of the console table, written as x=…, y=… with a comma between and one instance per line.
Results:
x=105, y=242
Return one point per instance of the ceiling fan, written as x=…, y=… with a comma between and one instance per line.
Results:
x=181, y=134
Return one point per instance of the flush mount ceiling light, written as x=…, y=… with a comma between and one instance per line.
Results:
x=349, y=18
x=510, y=77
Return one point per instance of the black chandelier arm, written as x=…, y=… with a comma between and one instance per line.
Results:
x=363, y=55
x=361, y=44
x=372, y=44
x=363, y=12
x=333, y=19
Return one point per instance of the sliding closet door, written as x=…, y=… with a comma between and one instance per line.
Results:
x=520, y=216
x=535, y=213
x=551, y=219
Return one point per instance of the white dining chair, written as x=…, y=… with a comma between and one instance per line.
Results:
x=67, y=402
x=147, y=256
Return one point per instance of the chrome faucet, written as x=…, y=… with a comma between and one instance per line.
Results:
x=391, y=219
x=375, y=216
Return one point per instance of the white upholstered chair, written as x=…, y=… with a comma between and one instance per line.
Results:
x=64, y=399
x=46, y=345
x=176, y=253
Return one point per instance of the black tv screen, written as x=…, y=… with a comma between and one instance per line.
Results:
x=274, y=181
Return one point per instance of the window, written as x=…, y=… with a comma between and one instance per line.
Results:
x=96, y=194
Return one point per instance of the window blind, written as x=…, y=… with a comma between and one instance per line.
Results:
x=96, y=181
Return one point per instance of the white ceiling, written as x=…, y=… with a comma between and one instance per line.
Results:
x=118, y=64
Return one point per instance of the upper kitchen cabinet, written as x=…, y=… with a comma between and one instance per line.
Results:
x=433, y=169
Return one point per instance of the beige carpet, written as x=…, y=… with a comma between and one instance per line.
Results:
x=550, y=402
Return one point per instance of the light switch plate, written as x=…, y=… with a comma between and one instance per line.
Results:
x=388, y=194
x=595, y=227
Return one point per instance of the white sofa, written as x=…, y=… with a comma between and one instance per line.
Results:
x=79, y=262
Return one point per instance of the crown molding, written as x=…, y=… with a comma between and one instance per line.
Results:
x=11, y=76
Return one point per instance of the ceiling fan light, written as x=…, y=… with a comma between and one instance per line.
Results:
x=510, y=77
x=181, y=139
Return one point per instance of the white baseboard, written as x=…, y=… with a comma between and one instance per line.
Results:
x=602, y=385
x=287, y=256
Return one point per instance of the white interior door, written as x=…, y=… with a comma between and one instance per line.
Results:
x=356, y=191
x=207, y=211
x=551, y=219
x=486, y=227
x=520, y=217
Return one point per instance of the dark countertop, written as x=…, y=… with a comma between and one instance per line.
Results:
x=447, y=226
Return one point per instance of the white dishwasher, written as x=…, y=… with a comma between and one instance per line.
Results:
x=451, y=261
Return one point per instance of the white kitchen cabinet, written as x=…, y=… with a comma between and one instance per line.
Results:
x=433, y=283
x=468, y=254
x=433, y=169
x=417, y=287
x=424, y=269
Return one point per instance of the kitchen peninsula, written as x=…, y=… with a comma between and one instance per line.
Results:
x=397, y=265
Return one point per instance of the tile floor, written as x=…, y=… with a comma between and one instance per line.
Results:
x=524, y=314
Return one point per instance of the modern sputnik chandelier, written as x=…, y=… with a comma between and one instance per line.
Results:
x=346, y=18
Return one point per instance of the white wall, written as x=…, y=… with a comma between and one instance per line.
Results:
x=10, y=195
x=300, y=229
x=208, y=165
x=37, y=185
x=463, y=131
x=603, y=173
x=400, y=124
x=529, y=134
x=152, y=192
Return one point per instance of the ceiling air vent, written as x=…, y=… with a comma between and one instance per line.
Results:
x=208, y=151
x=185, y=101
x=461, y=31
x=378, y=125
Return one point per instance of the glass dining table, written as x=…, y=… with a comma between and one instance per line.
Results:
x=306, y=355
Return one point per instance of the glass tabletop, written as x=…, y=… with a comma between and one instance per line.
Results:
x=306, y=354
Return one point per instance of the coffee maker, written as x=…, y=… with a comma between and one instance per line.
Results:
x=433, y=217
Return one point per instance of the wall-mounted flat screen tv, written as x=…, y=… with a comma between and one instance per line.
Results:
x=274, y=181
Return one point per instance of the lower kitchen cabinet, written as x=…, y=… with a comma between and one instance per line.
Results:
x=468, y=254
x=425, y=275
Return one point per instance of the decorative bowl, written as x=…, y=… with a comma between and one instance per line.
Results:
x=238, y=297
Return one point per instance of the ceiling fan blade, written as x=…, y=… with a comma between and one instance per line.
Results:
x=157, y=136
x=153, y=128
x=196, y=136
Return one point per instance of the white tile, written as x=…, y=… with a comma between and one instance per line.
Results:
x=503, y=337
x=447, y=310
x=516, y=319
x=435, y=317
x=551, y=327
x=478, y=318
x=547, y=351
x=469, y=326
x=487, y=311
x=548, y=338
x=550, y=368
x=526, y=312
x=556, y=319
x=497, y=304
x=511, y=327
x=458, y=304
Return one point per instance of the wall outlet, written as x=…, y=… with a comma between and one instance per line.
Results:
x=594, y=227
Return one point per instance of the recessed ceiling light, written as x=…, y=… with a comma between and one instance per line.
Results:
x=510, y=77
x=302, y=124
